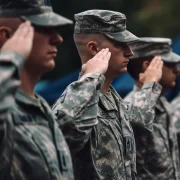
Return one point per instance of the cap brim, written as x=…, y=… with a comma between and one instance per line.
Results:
x=49, y=19
x=170, y=57
x=123, y=37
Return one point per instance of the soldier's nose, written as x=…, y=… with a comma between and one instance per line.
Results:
x=60, y=39
x=57, y=39
x=131, y=52
x=128, y=52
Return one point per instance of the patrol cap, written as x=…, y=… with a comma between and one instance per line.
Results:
x=39, y=12
x=110, y=23
x=150, y=47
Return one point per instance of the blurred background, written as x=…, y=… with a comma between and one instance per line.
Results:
x=155, y=18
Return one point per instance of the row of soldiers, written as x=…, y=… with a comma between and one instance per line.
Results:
x=90, y=133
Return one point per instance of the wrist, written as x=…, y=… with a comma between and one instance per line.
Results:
x=150, y=80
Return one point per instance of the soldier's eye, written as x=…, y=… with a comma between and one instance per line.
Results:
x=120, y=45
x=44, y=30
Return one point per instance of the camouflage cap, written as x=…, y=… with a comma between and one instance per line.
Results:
x=110, y=23
x=39, y=12
x=150, y=47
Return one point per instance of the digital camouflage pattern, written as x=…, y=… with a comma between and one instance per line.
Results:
x=32, y=146
x=110, y=23
x=96, y=126
x=98, y=131
x=175, y=106
x=148, y=47
x=176, y=112
x=157, y=150
x=39, y=12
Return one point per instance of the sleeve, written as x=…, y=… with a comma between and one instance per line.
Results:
x=76, y=110
x=176, y=116
x=10, y=64
x=141, y=105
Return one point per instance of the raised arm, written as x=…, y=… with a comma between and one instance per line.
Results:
x=76, y=109
x=142, y=105
x=12, y=54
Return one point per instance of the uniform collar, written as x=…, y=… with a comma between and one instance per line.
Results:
x=24, y=98
x=162, y=105
x=136, y=88
x=39, y=102
x=106, y=102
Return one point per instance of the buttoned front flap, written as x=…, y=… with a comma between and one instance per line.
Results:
x=108, y=149
x=126, y=116
x=159, y=147
x=128, y=139
x=50, y=154
x=63, y=153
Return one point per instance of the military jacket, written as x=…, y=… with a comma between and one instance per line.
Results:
x=157, y=151
x=32, y=146
x=176, y=112
x=98, y=132
x=175, y=105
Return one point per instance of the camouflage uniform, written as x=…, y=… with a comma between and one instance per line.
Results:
x=99, y=134
x=175, y=105
x=157, y=150
x=32, y=146
x=176, y=112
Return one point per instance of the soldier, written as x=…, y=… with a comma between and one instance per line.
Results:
x=32, y=146
x=101, y=141
x=175, y=104
x=157, y=153
x=176, y=116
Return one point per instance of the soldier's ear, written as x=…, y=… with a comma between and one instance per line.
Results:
x=5, y=34
x=145, y=65
x=92, y=47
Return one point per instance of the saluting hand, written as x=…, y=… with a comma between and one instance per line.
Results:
x=154, y=71
x=22, y=40
x=99, y=63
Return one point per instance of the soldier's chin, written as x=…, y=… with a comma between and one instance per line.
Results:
x=173, y=83
x=49, y=66
x=124, y=70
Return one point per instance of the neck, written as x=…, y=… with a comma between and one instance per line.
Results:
x=106, y=85
x=164, y=91
x=28, y=82
x=139, y=84
x=108, y=81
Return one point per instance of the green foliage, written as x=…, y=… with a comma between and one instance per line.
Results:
x=160, y=17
